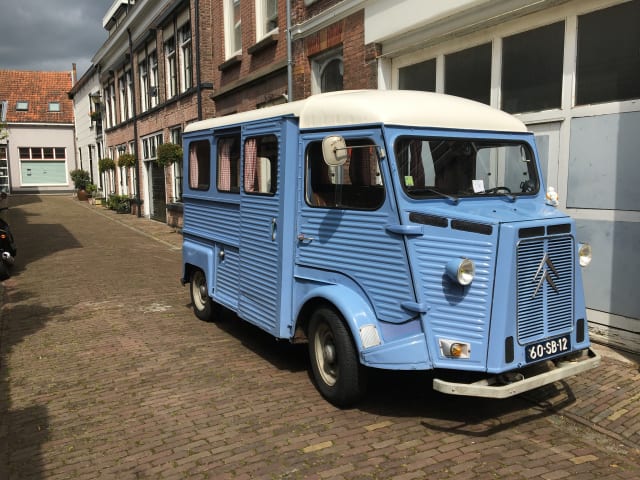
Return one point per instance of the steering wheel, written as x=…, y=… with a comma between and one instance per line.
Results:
x=497, y=189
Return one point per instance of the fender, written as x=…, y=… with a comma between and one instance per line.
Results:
x=201, y=256
x=355, y=310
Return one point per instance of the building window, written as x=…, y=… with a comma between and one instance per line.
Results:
x=608, y=65
x=144, y=85
x=153, y=79
x=261, y=165
x=199, y=165
x=419, y=76
x=328, y=73
x=150, y=146
x=22, y=106
x=186, y=63
x=175, y=136
x=472, y=63
x=3, y=110
x=229, y=164
x=532, y=69
x=54, y=106
x=110, y=104
x=126, y=95
x=233, y=27
x=267, y=17
x=172, y=73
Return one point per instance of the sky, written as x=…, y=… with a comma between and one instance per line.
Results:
x=51, y=35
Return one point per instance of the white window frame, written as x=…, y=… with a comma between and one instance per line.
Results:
x=263, y=17
x=175, y=136
x=171, y=66
x=143, y=73
x=231, y=27
x=186, y=58
x=153, y=78
x=318, y=65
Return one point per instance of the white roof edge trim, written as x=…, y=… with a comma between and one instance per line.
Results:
x=389, y=107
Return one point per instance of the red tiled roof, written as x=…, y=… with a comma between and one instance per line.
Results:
x=39, y=89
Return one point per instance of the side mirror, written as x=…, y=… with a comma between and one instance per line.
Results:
x=334, y=151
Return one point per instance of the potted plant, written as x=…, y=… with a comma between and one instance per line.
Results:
x=168, y=153
x=81, y=178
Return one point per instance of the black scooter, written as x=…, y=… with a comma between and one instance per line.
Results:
x=7, y=250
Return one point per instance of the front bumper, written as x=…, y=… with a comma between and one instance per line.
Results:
x=520, y=381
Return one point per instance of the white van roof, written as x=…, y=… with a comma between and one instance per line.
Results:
x=390, y=107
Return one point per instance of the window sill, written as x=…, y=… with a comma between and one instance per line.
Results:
x=266, y=42
x=231, y=62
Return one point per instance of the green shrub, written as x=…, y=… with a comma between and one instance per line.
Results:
x=80, y=178
x=105, y=164
x=168, y=153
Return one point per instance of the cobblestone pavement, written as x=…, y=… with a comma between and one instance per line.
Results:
x=106, y=373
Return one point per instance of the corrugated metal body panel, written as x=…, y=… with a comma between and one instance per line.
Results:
x=545, y=287
x=455, y=311
x=216, y=220
x=356, y=244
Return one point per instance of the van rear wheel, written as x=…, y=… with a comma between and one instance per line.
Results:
x=334, y=361
x=200, y=300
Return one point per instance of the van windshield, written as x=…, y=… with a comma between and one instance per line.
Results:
x=444, y=167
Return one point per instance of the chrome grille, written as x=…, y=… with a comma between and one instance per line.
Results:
x=545, y=287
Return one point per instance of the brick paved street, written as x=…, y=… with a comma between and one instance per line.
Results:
x=106, y=373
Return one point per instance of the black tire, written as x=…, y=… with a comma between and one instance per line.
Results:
x=338, y=375
x=5, y=271
x=203, y=305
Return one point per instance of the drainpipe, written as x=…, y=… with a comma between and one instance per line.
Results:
x=289, y=55
x=135, y=124
x=198, y=72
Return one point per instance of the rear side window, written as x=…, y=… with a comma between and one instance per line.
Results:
x=199, y=165
x=229, y=164
x=355, y=185
x=261, y=165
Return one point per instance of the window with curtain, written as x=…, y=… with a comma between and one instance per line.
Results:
x=261, y=165
x=199, y=165
x=228, y=164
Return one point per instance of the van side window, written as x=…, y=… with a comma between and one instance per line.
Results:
x=261, y=165
x=199, y=165
x=229, y=164
x=357, y=184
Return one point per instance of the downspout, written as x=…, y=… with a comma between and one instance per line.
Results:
x=198, y=72
x=135, y=123
x=289, y=56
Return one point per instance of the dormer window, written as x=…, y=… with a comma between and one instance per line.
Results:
x=22, y=106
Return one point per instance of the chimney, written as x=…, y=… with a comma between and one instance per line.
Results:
x=74, y=74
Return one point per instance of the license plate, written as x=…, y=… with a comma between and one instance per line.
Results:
x=547, y=348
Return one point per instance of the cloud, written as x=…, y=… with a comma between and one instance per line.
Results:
x=51, y=34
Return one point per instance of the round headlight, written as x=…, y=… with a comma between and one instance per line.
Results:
x=461, y=270
x=584, y=252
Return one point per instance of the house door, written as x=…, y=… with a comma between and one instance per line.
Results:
x=157, y=188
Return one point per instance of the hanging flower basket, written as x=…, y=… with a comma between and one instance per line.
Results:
x=126, y=160
x=168, y=153
x=105, y=164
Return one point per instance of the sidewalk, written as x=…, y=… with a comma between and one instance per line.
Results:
x=159, y=231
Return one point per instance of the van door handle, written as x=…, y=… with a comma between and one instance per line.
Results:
x=409, y=230
x=303, y=238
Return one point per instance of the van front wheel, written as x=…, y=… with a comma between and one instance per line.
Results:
x=200, y=299
x=334, y=361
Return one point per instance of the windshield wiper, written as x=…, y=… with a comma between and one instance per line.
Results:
x=451, y=198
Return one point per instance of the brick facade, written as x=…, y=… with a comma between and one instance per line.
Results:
x=255, y=76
